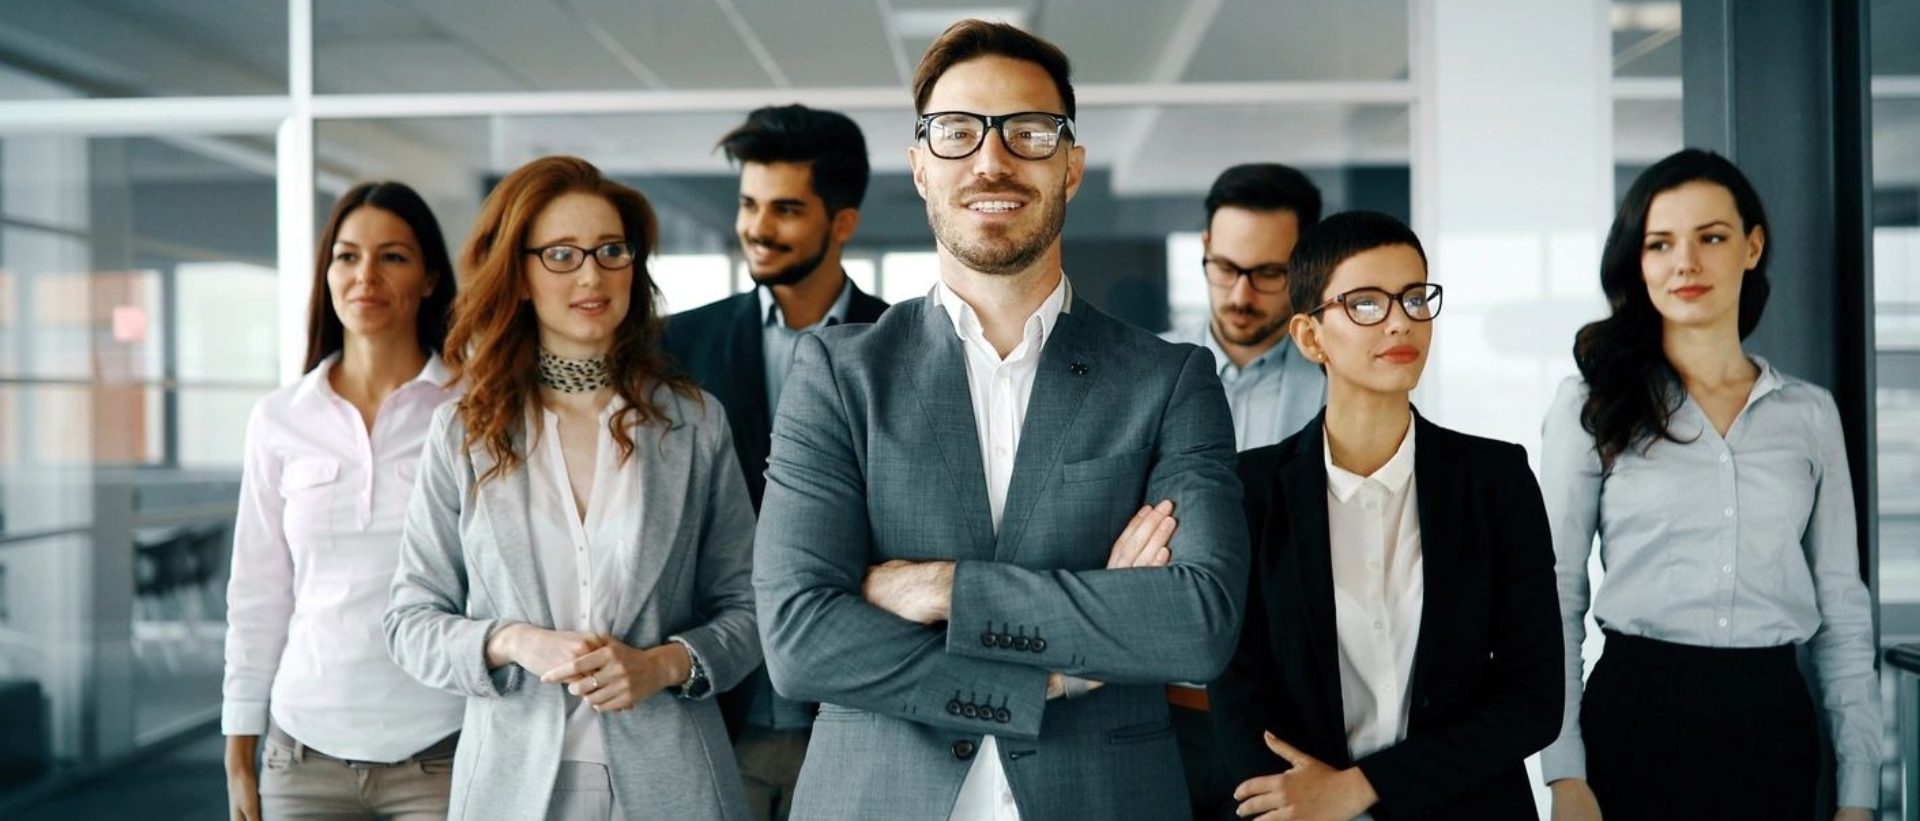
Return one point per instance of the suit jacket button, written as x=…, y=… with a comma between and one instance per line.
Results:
x=986, y=639
x=953, y=706
x=1002, y=715
x=1038, y=645
x=969, y=711
x=1005, y=641
x=963, y=749
x=1021, y=643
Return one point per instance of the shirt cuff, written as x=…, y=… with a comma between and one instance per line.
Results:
x=1859, y=786
x=243, y=717
x=1566, y=758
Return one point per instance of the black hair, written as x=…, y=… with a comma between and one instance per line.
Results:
x=325, y=333
x=829, y=142
x=1266, y=186
x=1337, y=239
x=1631, y=394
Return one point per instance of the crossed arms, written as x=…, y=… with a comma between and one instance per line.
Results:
x=826, y=641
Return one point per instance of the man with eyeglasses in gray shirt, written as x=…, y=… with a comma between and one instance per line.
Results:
x=1255, y=214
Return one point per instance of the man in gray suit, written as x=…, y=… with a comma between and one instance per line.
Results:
x=933, y=559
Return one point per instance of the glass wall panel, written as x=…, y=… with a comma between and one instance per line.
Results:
x=138, y=322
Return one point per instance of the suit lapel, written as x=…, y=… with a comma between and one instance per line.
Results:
x=863, y=308
x=1066, y=372
x=748, y=391
x=1441, y=504
x=941, y=387
x=504, y=500
x=1303, y=484
x=665, y=463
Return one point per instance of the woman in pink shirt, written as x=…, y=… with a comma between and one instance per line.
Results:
x=328, y=473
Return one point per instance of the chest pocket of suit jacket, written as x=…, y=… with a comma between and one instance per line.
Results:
x=1122, y=470
x=308, y=486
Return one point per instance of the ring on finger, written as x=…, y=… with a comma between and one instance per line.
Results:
x=593, y=680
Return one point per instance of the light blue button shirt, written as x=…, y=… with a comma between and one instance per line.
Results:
x=1746, y=540
x=778, y=340
x=1271, y=398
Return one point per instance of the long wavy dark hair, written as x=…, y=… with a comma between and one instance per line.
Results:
x=1632, y=391
x=325, y=333
x=495, y=336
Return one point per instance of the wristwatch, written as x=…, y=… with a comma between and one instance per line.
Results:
x=697, y=684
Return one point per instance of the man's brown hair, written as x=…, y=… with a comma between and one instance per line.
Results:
x=969, y=39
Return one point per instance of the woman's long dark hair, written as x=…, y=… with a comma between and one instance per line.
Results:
x=1631, y=388
x=325, y=333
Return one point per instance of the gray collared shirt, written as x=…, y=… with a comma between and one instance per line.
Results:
x=1746, y=540
x=778, y=340
x=1275, y=395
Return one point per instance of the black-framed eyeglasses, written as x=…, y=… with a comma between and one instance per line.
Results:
x=565, y=259
x=1270, y=278
x=1370, y=306
x=1029, y=135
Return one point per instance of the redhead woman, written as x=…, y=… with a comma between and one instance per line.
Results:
x=576, y=561
x=1719, y=492
x=329, y=467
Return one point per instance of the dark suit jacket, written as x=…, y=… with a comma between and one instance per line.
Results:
x=1486, y=689
x=719, y=346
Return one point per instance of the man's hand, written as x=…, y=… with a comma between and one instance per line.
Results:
x=1310, y=791
x=243, y=783
x=1573, y=800
x=915, y=591
x=617, y=676
x=1144, y=541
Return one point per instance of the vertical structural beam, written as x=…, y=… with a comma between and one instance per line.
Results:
x=1512, y=191
x=295, y=191
x=1782, y=90
x=1512, y=185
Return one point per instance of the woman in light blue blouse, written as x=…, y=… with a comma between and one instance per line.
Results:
x=1718, y=488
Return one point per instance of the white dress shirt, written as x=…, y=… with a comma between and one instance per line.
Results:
x=315, y=544
x=578, y=559
x=1373, y=527
x=1000, y=388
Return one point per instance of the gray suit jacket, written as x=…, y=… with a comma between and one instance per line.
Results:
x=466, y=570
x=875, y=457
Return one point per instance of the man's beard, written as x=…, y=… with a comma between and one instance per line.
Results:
x=1259, y=334
x=792, y=274
x=1004, y=254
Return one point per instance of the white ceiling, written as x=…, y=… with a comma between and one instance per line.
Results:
x=782, y=49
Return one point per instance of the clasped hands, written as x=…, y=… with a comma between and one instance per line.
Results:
x=608, y=673
x=923, y=591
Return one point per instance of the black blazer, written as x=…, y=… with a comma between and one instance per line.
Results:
x=719, y=346
x=1487, y=682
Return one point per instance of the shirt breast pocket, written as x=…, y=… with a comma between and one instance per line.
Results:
x=308, y=487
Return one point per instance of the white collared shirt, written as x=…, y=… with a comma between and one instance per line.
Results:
x=1373, y=527
x=1000, y=388
x=315, y=544
x=578, y=560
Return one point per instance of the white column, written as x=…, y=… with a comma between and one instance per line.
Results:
x=1512, y=195
x=295, y=190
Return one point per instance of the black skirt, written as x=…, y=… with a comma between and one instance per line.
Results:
x=1679, y=731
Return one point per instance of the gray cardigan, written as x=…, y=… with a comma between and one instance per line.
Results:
x=466, y=571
